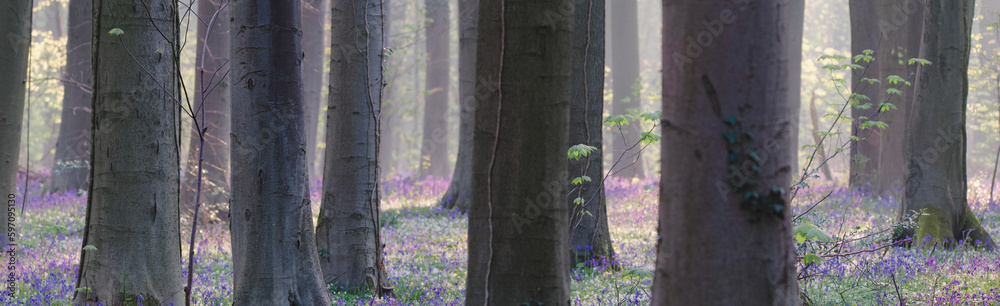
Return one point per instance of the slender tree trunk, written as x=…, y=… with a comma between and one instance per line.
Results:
x=390, y=119
x=434, y=147
x=349, y=236
x=132, y=235
x=15, y=26
x=821, y=154
x=625, y=58
x=72, y=160
x=725, y=230
x=935, y=142
x=459, y=192
x=275, y=260
x=313, y=23
x=518, y=220
x=589, y=235
x=215, y=180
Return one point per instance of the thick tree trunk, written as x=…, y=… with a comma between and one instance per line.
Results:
x=132, y=209
x=589, y=235
x=518, y=220
x=313, y=23
x=72, y=160
x=729, y=122
x=348, y=233
x=892, y=30
x=434, y=146
x=15, y=27
x=275, y=260
x=935, y=140
x=625, y=75
x=215, y=167
x=459, y=192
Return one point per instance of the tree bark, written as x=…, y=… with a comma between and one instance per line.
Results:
x=15, y=26
x=215, y=168
x=459, y=192
x=72, y=159
x=313, y=24
x=349, y=236
x=821, y=151
x=589, y=234
x=434, y=146
x=935, y=140
x=625, y=75
x=390, y=119
x=730, y=84
x=518, y=220
x=275, y=260
x=132, y=208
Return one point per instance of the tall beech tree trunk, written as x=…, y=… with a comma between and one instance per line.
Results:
x=434, y=147
x=275, y=260
x=313, y=24
x=935, y=140
x=72, y=160
x=390, y=119
x=15, y=26
x=132, y=208
x=459, y=192
x=892, y=29
x=730, y=82
x=215, y=167
x=589, y=235
x=518, y=221
x=625, y=75
x=349, y=236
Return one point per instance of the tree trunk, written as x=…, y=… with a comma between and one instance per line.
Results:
x=15, y=26
x=590, y=238
x=275, y=260
x=821, y=150
x=72, y=159
x=730, y=82
x=459, y=192
x=390, y=120
x=434, y=147
x=215, y=168
x=518, y=220
x=625, y=58
x=349, y=236
x=935, y=140
x=892, y=30
x=132, y=212
x=313, y=23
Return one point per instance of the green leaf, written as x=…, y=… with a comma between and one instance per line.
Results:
x=886, y=106
x=853, y=66
x=812, y=258
x=920, y=61
x=833, y=57
x=648, y=138
x=832, y=67
x=578, y=151
x=870, y=81
x=800, y=237
x=863, y=106
x=651, y=116
x=893, y=91
x=619, y=119
x=116, y=32
x=578, y=201
x=812, y=232
x=580, y=180
x=895, y=80
x=90, y=247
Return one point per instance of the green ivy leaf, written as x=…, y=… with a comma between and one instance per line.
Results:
x=578, y=201
x=116, y=32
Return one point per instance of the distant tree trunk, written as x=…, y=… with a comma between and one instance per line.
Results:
x=518, y=220
x=434, y=147
x=215, y=168
x=132, y=208
x=459, y=192
x=935, y=140
x=625, y=58
x=72, y=160
x=390, y=119
x=589, y=235
x=891, y=29
x=821, y=150
x=349, y=237
x=729, y=125
x=313, y=24
x=15, y=27
x=275, y=260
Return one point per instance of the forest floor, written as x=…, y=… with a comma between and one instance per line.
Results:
x=426, y=252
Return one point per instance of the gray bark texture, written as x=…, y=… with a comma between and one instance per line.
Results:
x=935, y=139
x=590, y=238
x=275, y=261
x=731, y=86
x=72, y=160
x=519, y=220
x=348, y=230
x=15, y=26
x=434, y=147
x=625, y=58
x=132, y=208
x=459, y=192
x=313, y=34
